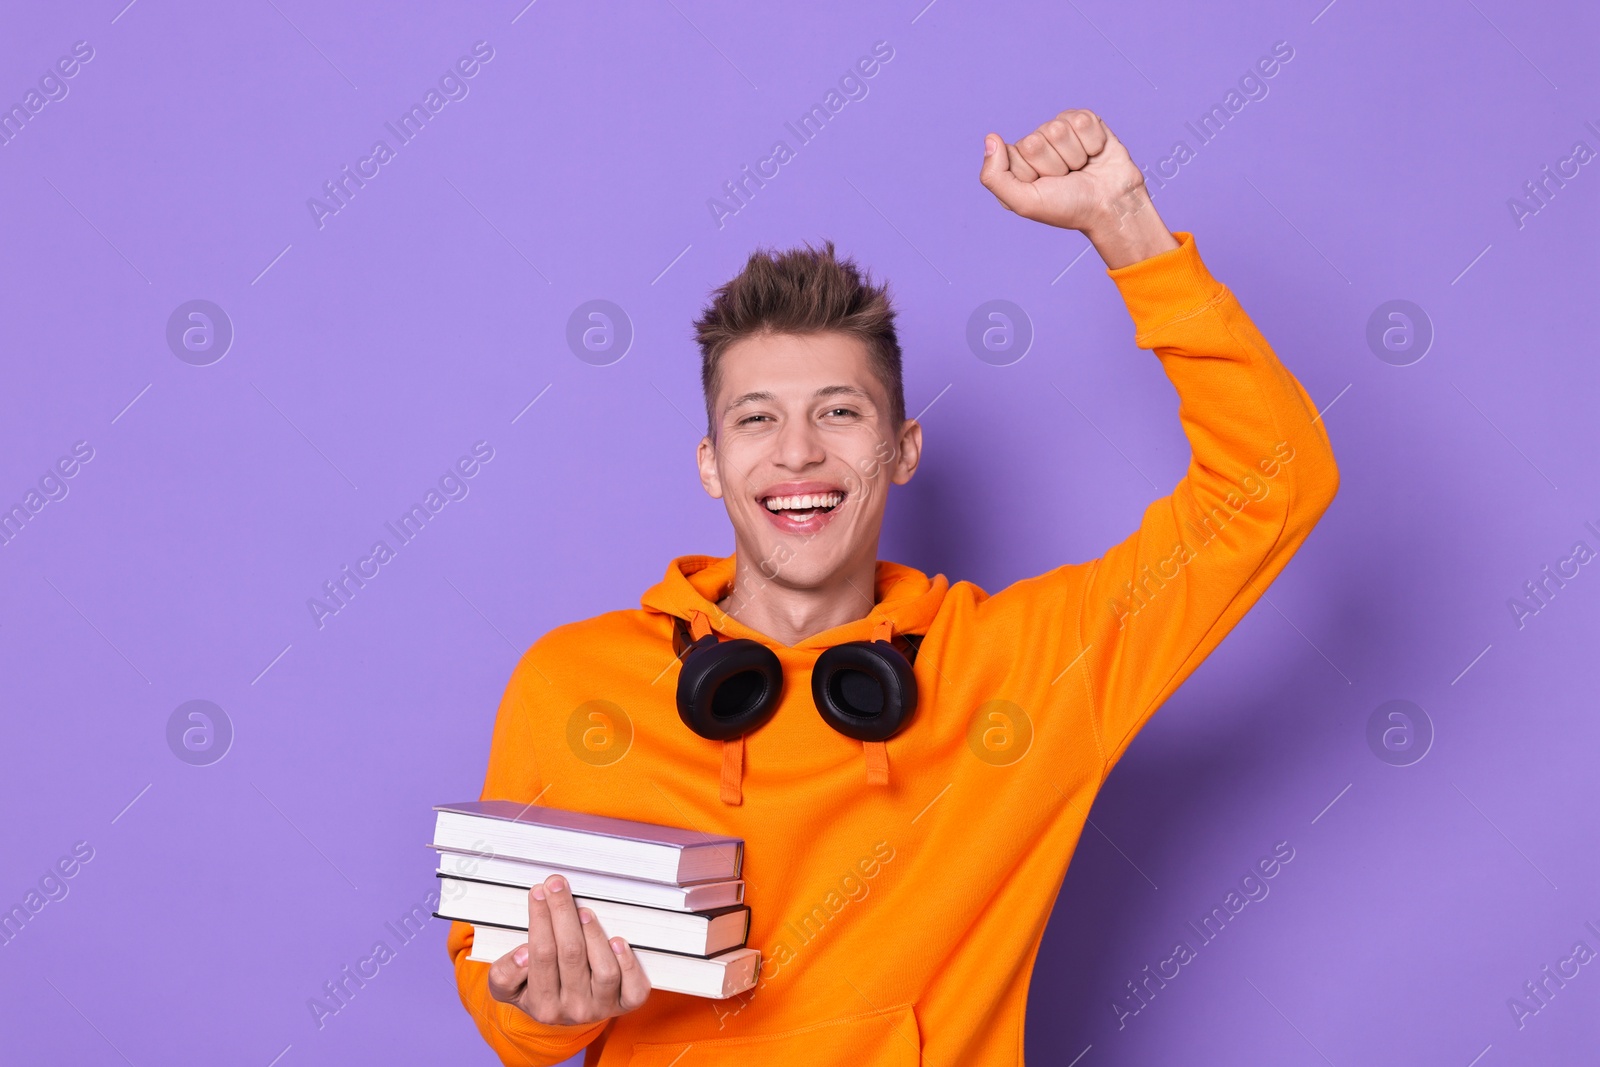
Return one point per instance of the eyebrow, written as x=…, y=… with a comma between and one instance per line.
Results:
x=764, y=397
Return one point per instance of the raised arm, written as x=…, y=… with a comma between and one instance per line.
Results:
x=1261, y=471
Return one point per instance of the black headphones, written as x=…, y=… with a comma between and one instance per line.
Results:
x=864, y=689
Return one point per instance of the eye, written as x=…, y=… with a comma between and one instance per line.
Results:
x=753, y=418
x=841, y=411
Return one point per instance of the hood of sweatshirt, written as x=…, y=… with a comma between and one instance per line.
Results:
x=906, y=601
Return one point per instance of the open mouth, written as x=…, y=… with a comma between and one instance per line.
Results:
x=803, y=508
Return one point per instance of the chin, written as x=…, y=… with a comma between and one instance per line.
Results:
x=797, y=562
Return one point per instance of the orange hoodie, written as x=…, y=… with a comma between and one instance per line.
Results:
x=898, y=919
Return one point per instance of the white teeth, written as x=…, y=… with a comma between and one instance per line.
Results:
x=804, y=502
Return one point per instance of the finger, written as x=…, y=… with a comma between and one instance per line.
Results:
x=1090, y=128
x=508, y=975
x=635, y=983
x=1038, y=151
x=997, y=176
x=544, y=981
x=1019, y=166
x=605, y=971
x=572, y=955
x=1059, y=132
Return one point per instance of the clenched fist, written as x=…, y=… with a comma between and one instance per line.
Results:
x=1072, y=172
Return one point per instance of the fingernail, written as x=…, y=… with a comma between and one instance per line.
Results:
x=988, y=146
x=585, y=916
x=520, y=955
x=557, y=884
x=617, y=945
x=538, y=892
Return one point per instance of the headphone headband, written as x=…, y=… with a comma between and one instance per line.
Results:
x=908, y=645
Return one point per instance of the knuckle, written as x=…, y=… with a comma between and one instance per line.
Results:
x=576, y=1009
x=542, y=954
x=607, y=974
x=544, y=1009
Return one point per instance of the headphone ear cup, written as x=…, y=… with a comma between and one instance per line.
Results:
x=864, y=689
x=728, y=688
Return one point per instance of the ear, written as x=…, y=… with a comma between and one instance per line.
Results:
x=909, y=452
x=710, y=479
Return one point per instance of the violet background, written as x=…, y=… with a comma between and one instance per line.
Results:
x=428, y=314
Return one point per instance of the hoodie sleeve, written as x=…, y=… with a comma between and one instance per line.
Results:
x=518, y=1038
x=1135, y=623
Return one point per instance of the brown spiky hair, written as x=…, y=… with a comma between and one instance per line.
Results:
x=801, y=291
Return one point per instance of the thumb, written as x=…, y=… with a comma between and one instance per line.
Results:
x=996, y=174
x=1111, y=138
x=508, y=974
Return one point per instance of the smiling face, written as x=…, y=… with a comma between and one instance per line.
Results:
x=804, y=453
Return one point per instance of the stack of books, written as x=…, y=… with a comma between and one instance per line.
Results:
x=675, y=895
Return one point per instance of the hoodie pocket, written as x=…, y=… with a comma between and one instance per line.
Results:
x=888, y=1038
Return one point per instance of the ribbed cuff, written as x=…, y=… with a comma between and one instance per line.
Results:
x=1169, y=285
x=519, y=1023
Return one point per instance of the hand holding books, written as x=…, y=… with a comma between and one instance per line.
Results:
x=541, y=886
x=568, y=972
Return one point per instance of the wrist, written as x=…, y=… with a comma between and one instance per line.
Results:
x=1130, y=229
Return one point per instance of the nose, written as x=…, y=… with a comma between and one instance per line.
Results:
x=799, y=445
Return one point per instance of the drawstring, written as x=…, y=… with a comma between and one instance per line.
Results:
x=733, y=771
x=876, y=753
x=699, y=625
x=732, y=787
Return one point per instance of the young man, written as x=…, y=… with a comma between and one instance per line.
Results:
x=899, y=880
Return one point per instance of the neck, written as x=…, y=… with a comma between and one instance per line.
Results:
x=790, y=614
